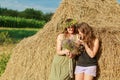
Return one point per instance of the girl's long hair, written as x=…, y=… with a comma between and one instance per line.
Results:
x=88, y=34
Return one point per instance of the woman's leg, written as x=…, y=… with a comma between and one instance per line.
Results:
x=88, y=77
x=79, y=76
x=90, y=73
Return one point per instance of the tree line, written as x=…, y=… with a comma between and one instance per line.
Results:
x=28, y=13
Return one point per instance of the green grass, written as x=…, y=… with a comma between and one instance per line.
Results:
x=17, y=34
x=3, y=62
x=11, y=36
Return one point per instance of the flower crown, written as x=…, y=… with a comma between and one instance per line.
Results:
x=71, y=23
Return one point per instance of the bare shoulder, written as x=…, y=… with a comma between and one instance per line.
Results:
x=96, y=41
x=60, y=37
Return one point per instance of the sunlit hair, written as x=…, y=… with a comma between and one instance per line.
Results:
x=88, y=34
x=65, y=29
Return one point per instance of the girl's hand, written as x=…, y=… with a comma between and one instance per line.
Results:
x=71, y=55
x=78, y=42
x=67, y=52
x=82, y=42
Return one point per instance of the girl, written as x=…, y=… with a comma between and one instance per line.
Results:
x=86, y=61
x=60, y=69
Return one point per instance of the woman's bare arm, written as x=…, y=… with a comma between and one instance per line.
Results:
x=93, y=52
x=59, y=46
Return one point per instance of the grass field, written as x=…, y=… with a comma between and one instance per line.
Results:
x=19, y=33
x=9, y=37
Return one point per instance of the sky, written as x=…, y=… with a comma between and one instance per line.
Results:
x=119, y=1
x=43, y=5
x=20, y=5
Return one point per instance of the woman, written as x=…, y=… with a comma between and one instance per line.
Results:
x=60, y=69
x=86, y=61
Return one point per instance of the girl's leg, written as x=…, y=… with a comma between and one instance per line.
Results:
x=90, y=73
x=88, y=77
x=79, y=76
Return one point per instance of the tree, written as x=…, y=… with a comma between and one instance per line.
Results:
x=48, y=16
x=8, y=12
x=30, y=13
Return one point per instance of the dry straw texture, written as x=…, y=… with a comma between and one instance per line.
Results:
x=32, y=57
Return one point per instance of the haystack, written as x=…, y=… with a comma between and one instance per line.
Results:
x=31, y=58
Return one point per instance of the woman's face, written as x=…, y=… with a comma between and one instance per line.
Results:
x=70, y=30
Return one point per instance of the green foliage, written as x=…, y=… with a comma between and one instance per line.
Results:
x=3, y=62
x=70, y=45
x=47, y=16
x=8, y=12
x=15, y=35
x=4, y=38
x=14, y=22
x=28, y=18
x=28, y=13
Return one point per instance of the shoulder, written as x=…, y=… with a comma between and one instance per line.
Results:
x=96, y=41
x=60, y=37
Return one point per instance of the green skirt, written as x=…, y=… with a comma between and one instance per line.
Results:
x=60, y=69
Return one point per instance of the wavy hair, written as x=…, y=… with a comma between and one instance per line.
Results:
x=88, y=34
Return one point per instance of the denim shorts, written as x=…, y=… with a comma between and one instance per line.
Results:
x=90, y=70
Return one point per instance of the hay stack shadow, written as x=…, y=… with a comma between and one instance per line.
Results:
x=98, y=57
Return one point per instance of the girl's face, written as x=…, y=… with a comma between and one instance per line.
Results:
x=70, y=30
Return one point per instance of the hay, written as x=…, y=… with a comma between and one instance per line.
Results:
x=108, y=56
x=31, y=58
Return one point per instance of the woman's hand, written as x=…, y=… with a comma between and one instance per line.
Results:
x=77, y=42
x=81, y=42
x=66, y=52
x=71, y=55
